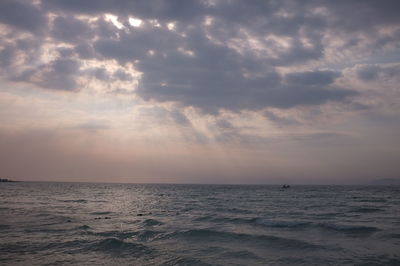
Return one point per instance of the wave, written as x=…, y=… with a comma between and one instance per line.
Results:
x=225, y=219
x=33, y=248
x=233, y=210
x=241, y=254
x=115, y=234
x=77, y=201
x=276, y=223
x=224, y=236
x=146, y=235
x=256, y=221
x=108, y=245
x=151, y=222
x=4, y=227
x=114, y=245
x=45, y=230
x=83, y=227
x=352, y=229
x=184, y=261
x=373, y=200
x=355, y=229
x=373, y=259
x=366, y=210
x=149, y=235
x=100, y=213
x=392, y=235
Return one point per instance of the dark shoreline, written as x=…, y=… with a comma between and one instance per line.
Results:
x=3, y=180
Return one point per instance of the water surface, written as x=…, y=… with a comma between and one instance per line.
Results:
x=138, y=224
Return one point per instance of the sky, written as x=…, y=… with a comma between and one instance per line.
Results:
x=200, y=91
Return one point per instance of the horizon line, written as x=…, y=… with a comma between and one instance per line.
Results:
x=368, y=183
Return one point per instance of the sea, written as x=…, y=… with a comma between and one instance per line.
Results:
x=172, y=224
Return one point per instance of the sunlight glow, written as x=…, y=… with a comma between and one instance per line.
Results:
x=114, y=21
x=135, y=22
x=171, y=26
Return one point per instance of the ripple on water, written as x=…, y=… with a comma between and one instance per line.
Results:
x=184, y=261
x=117, y=246
x=276, y=223
x=75, y=201
x=366, y=210
x=346, y=228
x=149, y=235
x=258, y=226
x=224, y=236
x=151, y=222
x=101, y=213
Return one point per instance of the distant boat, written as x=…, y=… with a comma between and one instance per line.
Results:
x=286, y=186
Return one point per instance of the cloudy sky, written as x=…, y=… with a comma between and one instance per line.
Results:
x=207, y=91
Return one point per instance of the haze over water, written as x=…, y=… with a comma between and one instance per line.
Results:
x=138, y=224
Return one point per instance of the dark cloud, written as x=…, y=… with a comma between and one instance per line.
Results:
x=223, y=124
x=312, y=78
x=7, y=55
x=22, y=15
x=171, y=10
x=222, y=85
x=179, y=118
x=225, y=132
x=368, y=73
x=221, y=54
x=362, y=15
x=84, y=50
x=98, y=73
x=66, y=52
x=136, y=45
x=13, y=51
x=122, y=75
x=280, y=120
x=59, y=74
x=375, y=72
x=69, y=29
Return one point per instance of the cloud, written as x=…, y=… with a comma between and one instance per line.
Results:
x=171, y=10
x=22, y=15
x=122, y=75
x=211, y=55
x=280, y=120
x=59, y=74
x=367, y=73
x=180, y=118
x=69, y=29
x=312, y=78
x=98, y=73
x=368, y=14
x=7, y=55
x=375, y=72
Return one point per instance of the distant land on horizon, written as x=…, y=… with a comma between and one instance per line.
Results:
x=7, y=180
x=381, y=182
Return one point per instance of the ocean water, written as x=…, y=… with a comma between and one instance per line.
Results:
x=138, y=224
